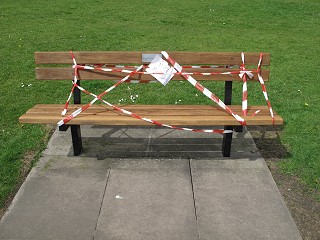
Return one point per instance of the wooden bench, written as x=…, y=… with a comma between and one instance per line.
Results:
x=178, y=115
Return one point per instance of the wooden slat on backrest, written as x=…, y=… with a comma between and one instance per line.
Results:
x=120, y=57
x=183, y=58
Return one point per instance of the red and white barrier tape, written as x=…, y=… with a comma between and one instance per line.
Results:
x=185, y=66
x=243, y=73
x=220, y=131
x=244, y=88
x=64, y=111
x=81, y=67
x=78, y=111
x=202, y=89
x=264, y=89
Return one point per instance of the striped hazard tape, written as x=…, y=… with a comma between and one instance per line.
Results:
x=134, y=67
x=78, y=111
x=99, y=97
x=264, y=89
x=244, y=88
x=243, y=73
x=74, y=82
x=202, y=89
x=87, y=67
x=75, y=113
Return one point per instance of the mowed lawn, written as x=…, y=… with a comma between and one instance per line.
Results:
x=289, y=30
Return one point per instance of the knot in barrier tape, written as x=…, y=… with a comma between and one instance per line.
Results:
x=248, y=73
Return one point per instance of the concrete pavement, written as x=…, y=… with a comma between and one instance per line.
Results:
x=148, y=183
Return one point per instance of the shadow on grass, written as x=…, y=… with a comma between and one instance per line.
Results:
x=267, y=140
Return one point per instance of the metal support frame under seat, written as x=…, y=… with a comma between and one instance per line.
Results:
x=75, y=129
x=227, y=137
x=76, y=139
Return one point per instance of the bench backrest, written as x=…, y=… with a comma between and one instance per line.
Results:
x=63, y=61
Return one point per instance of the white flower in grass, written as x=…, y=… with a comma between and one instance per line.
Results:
x=133, y=98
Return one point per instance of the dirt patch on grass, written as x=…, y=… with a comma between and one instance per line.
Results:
x=301, y=201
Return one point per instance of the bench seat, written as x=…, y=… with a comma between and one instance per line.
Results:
x=178, y=115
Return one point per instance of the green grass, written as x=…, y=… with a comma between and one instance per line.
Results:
x=288, y=29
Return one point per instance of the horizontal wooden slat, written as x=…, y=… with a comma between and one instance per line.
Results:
x=120, y=57
x=125, y=120
x=60, y=73
x=103, y=116
x=153, y=106
x=149, y=110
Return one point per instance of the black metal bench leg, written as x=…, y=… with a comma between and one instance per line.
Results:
x=76, y=139
x=238, y=128
x=226, y=143
x=227, y=137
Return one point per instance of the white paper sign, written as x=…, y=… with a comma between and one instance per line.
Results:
x=158, y=65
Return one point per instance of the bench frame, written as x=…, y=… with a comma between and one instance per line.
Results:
x=76, y=130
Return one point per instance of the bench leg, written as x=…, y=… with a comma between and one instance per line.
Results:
x=76, y=139
x=226, y=143
x=238, y=128
x=64, y=128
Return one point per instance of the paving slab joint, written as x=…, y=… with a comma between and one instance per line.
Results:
x=194, y=200
x=104, y=193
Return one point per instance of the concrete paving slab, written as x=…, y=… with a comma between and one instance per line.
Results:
x=162, y=132
x=117, y=142
x=154, y=142
x=60, y=199
x=148, y=199
x=173, y=143
x=238, y=199
x=60, y=143
x=148, y=194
